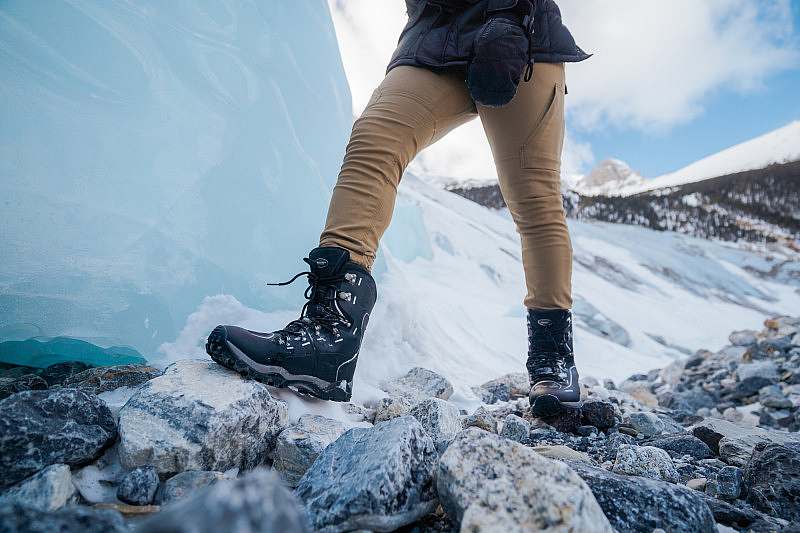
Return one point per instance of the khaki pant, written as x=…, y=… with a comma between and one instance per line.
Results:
x=413, y=108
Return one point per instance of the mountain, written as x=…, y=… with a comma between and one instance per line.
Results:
x=608, y=177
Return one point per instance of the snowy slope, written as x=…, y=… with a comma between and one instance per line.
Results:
x=779, y=146
x=450, y=296
x=152, y=153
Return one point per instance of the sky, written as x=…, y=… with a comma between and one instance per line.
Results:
x=669, y=82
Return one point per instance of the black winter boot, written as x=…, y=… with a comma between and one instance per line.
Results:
x=551, y=363
x=317, y=353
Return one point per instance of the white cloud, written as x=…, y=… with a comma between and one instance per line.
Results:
x=656, y=64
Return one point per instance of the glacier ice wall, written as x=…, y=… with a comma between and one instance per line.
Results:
x=153, y=153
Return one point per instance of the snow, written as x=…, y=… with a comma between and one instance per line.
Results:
x=607, y=178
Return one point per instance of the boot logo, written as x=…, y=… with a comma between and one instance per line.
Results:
x=544, y=321
x=321, y=262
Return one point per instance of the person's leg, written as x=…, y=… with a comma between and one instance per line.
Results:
x=526, y=137
x=412, y=108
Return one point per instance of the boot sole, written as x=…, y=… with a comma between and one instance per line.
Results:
x=224, y=354
x=548, y=405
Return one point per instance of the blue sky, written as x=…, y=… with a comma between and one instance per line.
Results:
x=728, y=117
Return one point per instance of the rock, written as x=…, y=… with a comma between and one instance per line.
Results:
x=389, y=408
x=108, y=378
x=488, y=483
x=740, y=516
x=749, y=387
x=182, y=485
x=645, y=461
x=417, y=385
x=772, y=396
x=772, y=480
x=56, y=374
x=688, y=401
x=563, y=453
x=47, y=490
x=726, y=484
x=440, y=419
x=299, y=445
x=599, y=414
x=762, y=369
x=636, y=504
x=505, y=388
x=648, y=424
x=378, y=478
x=698, y=484
x=257, y=502
x=22, y=383
x=683, y=444
x=20, y=518
x=42, y=428
x=516, y=428
x=199, y=416
x=139, y=486
x=745, y=337
x=129, y=510
x=640, y=391
x=482, y=419
x=567, y=421
x=734, y=444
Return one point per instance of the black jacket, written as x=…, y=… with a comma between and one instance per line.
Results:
x=490, y=39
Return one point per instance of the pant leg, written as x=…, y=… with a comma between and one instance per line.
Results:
x=412, y=108
x=527, y=137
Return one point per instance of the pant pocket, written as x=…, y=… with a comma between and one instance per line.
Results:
x=542, y=148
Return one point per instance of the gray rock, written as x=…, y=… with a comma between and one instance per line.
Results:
x=199, y=416
x=516, y=428
x=734, y=443
x=645, y=461
x=255, y=503
x=47, y=490
x=762, y=369
x=505, y=388
x=20, y=384
x=636, y=504
x=772, y=396
x=20, y=518
x=648, y=424
x=41, y=428
x=56, y=374
x=482, y=419
x=419, y=384
x=745, y=337
x=108, y=378
x=488, y=483
x=182, y=485
x=688, y=401
x=599, y=414
x=440, y=419
x=378, y=478
x=683, y=444
x=389, y=408
x=772, y=480
x=300, y=444
x=726, y=484
x=139, y=486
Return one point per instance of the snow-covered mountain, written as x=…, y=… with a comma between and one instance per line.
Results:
x=607, y=178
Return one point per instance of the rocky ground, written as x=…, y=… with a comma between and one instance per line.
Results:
x=709, y=443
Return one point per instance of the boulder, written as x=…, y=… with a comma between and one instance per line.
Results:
x=139, y=486
x=734, y=443
x=482, y=419
x=726, y=483
x=256, y=503
x=56, y=426
x=640, y=505
x=108, y=378
x=47, y=490
x=300, y=444
x=56, y=374
x=505, y=388
x=772, y=480
x=440, y=419
x=20, y=384
x=20, y=518
x=199, y=416
x=182, y=485
x=417, y=385
x=516, y=428
x=745, y=337
x=389, y=408
x=682, y=444
x=600, y=414
x=648, y=424
x=645, y=461
x=378, y=478
x=488, y=483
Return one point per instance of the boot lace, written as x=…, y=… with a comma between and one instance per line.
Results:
x=320, y=311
